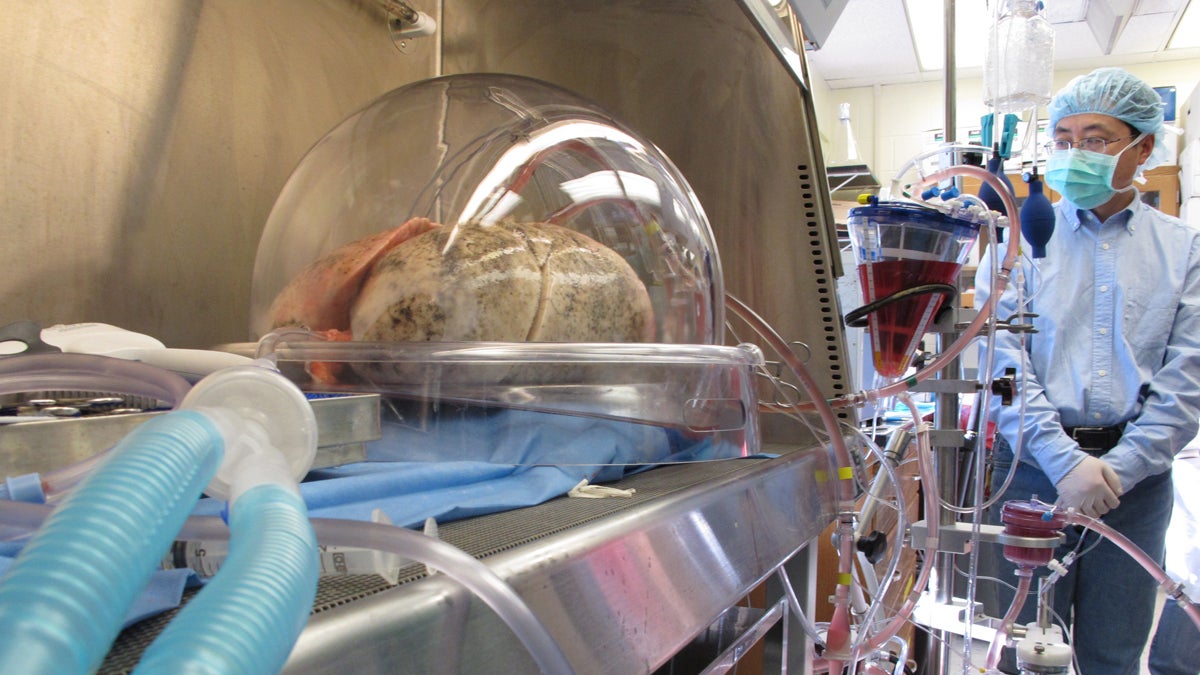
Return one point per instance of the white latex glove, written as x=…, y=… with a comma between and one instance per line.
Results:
x=1091, y=488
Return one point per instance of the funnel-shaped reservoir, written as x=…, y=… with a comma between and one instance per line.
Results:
x=908, y=259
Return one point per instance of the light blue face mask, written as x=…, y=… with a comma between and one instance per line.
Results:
x=1085, y=177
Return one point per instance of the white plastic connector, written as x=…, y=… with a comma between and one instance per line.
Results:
x=268, y=425
x=422, y=26
x=1044, y=649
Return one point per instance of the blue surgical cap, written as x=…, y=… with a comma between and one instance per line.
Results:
x=1116, y=93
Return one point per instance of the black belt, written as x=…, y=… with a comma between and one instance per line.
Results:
x=1095, y=441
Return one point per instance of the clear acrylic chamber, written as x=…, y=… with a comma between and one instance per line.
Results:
x=488, y=248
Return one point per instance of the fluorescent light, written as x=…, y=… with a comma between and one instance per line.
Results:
x=1066, y=11
x=1187, y=33
x=926, y=18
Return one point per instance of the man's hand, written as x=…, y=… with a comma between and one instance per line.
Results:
x=1091, y=488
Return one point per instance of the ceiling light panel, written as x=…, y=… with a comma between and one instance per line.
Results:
x=1143, y=33
x=1065, y=11
x=926, y=19
x=1187, y=33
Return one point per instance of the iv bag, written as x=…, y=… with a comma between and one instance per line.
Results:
x=1019, y=64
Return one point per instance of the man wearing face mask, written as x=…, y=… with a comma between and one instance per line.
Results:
x=1110, y=380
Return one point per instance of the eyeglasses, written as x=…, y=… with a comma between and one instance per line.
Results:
x=1091, y=144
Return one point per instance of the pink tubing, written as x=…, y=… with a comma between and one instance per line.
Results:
x=1173, y=589
x=932, y=500
x=1006, y=624
x=839, y=629
x=1001, y=281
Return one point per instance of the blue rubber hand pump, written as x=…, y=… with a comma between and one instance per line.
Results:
x=1037, y=216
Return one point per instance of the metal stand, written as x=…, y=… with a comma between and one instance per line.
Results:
x=940, y=611
x=949, y=446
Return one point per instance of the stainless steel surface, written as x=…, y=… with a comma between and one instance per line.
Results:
x=620, y=593
x=949, y=79
x=344, y=424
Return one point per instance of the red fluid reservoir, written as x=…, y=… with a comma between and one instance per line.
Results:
x=1030, y=519
x=900, y=247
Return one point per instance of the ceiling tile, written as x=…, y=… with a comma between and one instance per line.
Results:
x=1075, y=41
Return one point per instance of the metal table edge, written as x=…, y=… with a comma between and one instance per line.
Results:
x=620, y=594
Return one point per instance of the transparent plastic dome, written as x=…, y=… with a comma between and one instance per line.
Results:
x=488, y=208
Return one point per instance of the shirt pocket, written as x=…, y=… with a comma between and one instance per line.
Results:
x=1147, y=322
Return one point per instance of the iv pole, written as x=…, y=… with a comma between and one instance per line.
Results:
x=938, y=649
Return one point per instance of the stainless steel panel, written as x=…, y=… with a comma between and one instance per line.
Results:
x=620, y=594
x=344, y=424
x=143, y=143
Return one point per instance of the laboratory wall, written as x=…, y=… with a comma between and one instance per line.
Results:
x=892, y=123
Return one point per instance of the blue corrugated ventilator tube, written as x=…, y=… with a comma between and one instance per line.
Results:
x=64, y=598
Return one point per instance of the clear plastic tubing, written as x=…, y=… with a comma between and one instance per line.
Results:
x=867, y=643
x=901, y=515
x=89, y=372
x=998, y=284
x=63, y=600
x=454, y=563
x=75, y=372
x=457, y=565
x=475, y=576
x=247, y=619
x=838, y=636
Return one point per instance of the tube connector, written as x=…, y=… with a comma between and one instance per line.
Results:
x=268, y=425
x=1057, y=567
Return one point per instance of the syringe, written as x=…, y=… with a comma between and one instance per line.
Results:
x=205, y=557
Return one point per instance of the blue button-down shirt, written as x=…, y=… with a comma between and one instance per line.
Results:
x=1117, y=341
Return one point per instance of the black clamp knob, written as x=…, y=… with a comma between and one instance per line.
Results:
x=874, y=546
x=1006, y=387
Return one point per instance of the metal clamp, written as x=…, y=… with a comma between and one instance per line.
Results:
x=956, y=537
